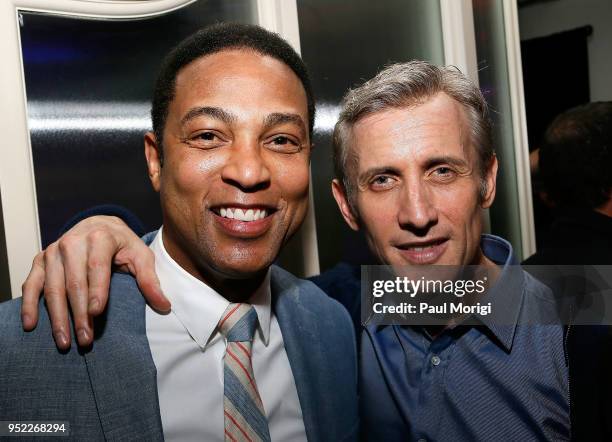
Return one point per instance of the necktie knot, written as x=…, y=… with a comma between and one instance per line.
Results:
x=238, y=323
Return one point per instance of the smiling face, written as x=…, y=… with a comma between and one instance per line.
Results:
x=235, y=175
x=417, y=185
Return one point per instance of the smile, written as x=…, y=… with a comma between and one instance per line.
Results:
x=423, y=253
x=244, y=222
x=239, y=214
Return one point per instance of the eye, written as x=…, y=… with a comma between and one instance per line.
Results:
x=207, y=136
x=281, y=140
x=284, y=144
x=382, y=182
x=206, y=139
x=443, y=173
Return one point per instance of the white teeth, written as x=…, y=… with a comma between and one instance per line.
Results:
x=421, y=248
x=243, y=215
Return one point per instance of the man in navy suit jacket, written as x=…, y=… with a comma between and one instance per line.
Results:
x=229, y=155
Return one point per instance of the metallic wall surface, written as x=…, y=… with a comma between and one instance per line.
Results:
x=345, y=42
x=5, y=282
x=491, y=49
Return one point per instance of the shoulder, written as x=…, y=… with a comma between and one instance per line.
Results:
x=309, y=306
x=540, y=305
x=10, y=319
x=343, y=283
x=339, y=276
x=124, y=294
x=319, y=339
x=149, y=237
x=304, y=292
x=11, y=330
x=40, y=382
x=535, y=287
x=33, y=369
x=123, y=282
x=125, y=312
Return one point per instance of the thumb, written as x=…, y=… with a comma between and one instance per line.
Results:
x=142, y=266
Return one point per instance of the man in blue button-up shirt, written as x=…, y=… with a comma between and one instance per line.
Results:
x=415, y=169
x=488, y=382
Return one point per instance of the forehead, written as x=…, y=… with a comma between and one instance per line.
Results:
x=238, y=77
x=408, y=136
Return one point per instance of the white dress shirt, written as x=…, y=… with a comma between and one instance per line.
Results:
x=188, y=354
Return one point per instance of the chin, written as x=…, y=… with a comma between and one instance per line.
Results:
x=244, y=268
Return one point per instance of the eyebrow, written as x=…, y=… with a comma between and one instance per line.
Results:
x=276, y=118
x=210, y=111
x=434, y=161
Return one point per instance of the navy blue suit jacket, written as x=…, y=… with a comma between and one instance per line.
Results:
x=110, y=392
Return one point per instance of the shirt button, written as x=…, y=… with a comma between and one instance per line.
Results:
x=435, y=360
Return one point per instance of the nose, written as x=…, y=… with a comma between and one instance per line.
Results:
x=417, y=211
x=246, y=167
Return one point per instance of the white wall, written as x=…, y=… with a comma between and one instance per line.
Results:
x=546, y=18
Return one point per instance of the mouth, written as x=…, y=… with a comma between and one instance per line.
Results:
x=242, y=213
x=423, y=252
x=244, y=221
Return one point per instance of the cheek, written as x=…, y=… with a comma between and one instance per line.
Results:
x=462, y=214
x=378, y=220
x=378, y=212
x=190, y=173
x=293, y=178
x=459, y=203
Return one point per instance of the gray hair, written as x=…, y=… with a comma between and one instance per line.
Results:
x=404, y=85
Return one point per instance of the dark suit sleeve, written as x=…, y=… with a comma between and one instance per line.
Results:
x=132, y=221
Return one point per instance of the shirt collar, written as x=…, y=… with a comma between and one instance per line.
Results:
x=506, y=296
x=196, y=305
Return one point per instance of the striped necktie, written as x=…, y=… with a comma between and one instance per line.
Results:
x=245, y=418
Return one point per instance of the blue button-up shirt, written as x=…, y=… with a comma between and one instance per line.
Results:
x=501, y=380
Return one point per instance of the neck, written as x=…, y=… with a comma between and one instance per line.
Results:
x=233, y=287
x=237, y=290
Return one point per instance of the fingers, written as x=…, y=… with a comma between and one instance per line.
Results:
x=148, y=282
x=74, y=259
x=140, y=261
x=31, y=291
x=101, y=250
x=55, y=296
x=77, y=270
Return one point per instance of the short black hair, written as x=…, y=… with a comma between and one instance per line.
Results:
x=576, y=157
x=216, y=38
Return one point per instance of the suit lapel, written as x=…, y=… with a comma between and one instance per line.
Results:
x=302, y=344
x=121, y=369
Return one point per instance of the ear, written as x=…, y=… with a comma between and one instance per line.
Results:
x=343, y=204
x=153, y=160
x=490, y=180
